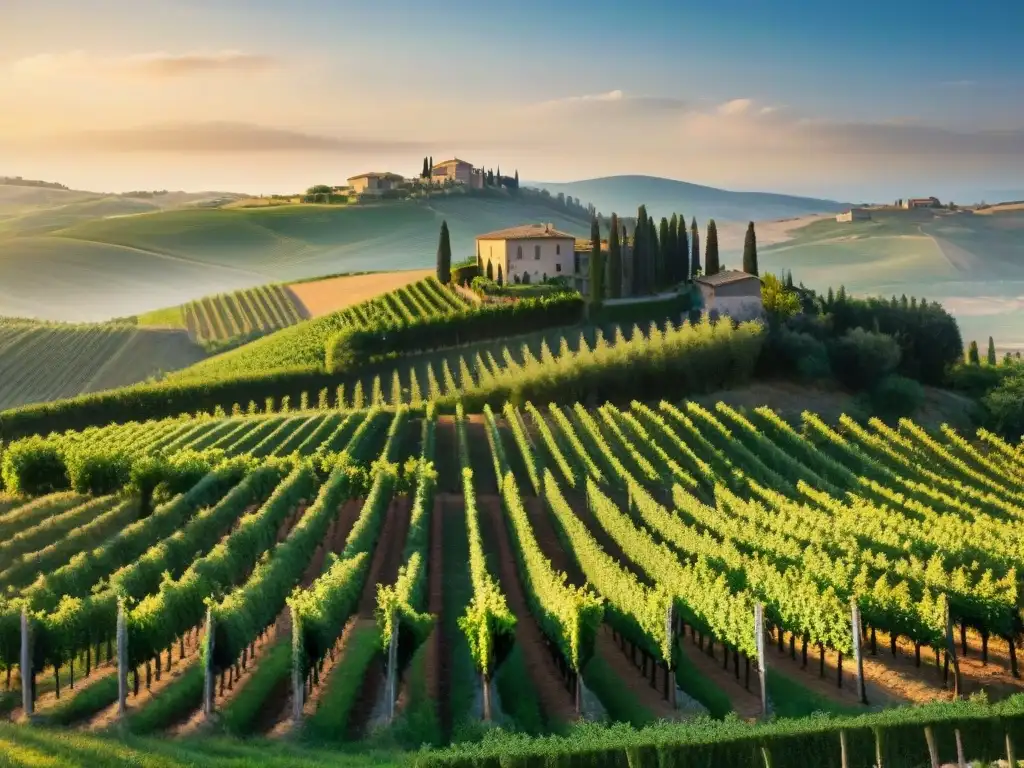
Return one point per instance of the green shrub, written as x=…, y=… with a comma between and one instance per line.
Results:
x=1005, y=406
x=800, y=353
x=896, y=396
x=860, y=359
x=34, y=466
x=98, y=472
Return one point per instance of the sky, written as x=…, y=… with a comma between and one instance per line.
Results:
x=866, y=101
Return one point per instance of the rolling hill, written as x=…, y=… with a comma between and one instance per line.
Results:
x=123, y=265
x=663, y=197
x=971, y=263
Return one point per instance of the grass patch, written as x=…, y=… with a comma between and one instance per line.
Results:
x=518, y=698
x=45, y=748
x=418, y=723
x=85, y=703
x=173, y=704
x=241, y=714
x=330, y=721
x=619, y=703
x=790, y=699
x=700, y=688
x=457, y=594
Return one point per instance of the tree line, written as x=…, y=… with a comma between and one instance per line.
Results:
x=656, y=255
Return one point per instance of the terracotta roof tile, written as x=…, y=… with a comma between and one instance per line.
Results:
x=726, y=278
x=526, y=232
x=377, y=175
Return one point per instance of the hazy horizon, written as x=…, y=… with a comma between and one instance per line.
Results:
x=261, y=97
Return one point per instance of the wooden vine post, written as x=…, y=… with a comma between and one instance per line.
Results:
x=27, y=672
x=670, y=632
x=298, y=680
x=392, y=681
x=762, y=669
x=858, y=656
x=209, y=680
x=951, y=653
x=122, y=660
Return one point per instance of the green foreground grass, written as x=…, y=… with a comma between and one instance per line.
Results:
x=39, y=748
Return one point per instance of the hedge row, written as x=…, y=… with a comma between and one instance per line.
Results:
x=895, y=738
x=352, y=348
x=157, y=401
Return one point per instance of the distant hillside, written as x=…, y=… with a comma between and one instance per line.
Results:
x=114, y=266
x=972, y=263
x=663, y=197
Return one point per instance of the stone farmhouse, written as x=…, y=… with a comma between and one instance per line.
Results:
x=854, y=214
x=731, y=292
x=375, y=182
x=458, y=172
x=922, y=202
x=530, y=253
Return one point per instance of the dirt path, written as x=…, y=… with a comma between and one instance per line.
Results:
x=446, y=448
x=276, y=711
x=387, y=559
x=484, y=478
x=609, y=651
x=439, y=660
x=633, y=679
x=556, y=700
x=746, y=704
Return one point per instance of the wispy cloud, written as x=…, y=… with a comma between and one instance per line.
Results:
x=176, y=65
x=958, y=83
x=151, y=65
x=223, y=137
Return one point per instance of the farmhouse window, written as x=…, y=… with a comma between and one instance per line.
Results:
x=536, y=252
x=558, y=267
x=519, y=252
x=558, y=249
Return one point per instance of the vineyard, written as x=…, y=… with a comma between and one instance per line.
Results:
x=248, y=313
x=393, y=573
x=304, y=344
x=48, y=361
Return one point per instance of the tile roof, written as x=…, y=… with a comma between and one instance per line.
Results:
x=377, y=175
x=726, y=278
x=526, y=232
x=449, y=162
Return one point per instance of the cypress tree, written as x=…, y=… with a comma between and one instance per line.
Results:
x=750, y=251
x=614, y=260
x=664, y=257
x=789, y=281
x=972, y=354
x=683, y=250
x=431, y=158
x=637, y=257
x=672, y=262
x=653, y=249
x=711, y=250
x=444, y=256
x=991, y=351
x=694, y=249
x=596, y=264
